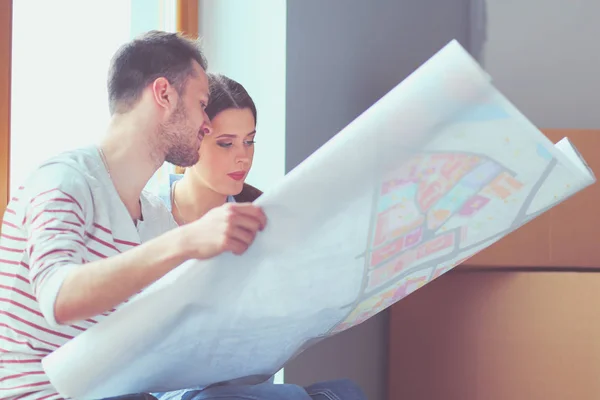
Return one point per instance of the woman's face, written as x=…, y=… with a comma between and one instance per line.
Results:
x=226, y=155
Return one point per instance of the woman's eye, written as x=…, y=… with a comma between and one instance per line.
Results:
x=225, y=145
x=250, y=142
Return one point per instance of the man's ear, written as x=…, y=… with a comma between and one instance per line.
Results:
x=163, y=93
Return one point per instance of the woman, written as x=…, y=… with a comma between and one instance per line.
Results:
x=219, y=176
x=225, y=156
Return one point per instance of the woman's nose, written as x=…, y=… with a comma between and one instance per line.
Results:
x=207, y=125
x=242, y=156
x=207, y=128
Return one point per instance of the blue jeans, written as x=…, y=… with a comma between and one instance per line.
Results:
x=341, y=389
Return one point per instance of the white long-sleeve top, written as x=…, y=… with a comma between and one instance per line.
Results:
x=66, y=214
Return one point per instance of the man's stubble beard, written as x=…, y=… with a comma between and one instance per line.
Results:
x=180, y=140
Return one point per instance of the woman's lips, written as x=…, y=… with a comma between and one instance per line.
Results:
x=238, y=176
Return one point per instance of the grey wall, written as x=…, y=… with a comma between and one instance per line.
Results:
x=544, y=56
x=342, y=56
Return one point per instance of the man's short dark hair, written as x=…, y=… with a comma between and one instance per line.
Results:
x=150, y=56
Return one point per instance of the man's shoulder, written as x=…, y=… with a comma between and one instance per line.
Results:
x=73, y=166
x=73, y=173
x=84, y=159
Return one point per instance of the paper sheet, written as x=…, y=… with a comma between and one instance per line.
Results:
x=438, y=169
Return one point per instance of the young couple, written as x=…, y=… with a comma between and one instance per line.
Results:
x=80, y=237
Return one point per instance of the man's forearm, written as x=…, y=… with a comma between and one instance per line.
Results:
x=99, y=286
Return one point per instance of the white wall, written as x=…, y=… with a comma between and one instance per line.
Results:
x=544, y=56
x=245, y=40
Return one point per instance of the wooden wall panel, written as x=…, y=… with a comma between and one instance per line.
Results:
x=474, y=335
x=5, y=83
x=187, y=17
x=564, y=237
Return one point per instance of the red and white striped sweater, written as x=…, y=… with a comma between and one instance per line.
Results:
x=66, y=214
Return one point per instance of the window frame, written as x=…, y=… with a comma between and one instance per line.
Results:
x=6, y=10
x=187, y=17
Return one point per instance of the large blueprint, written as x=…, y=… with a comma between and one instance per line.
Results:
x=438, y=169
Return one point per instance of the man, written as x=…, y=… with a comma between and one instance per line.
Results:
x=80, y=237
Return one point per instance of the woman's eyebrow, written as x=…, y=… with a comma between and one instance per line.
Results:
x=230, y=136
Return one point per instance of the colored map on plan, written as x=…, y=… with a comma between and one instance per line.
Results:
x=410, y=243
x=426, y=213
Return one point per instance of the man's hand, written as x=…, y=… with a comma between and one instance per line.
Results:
x=229, y=228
